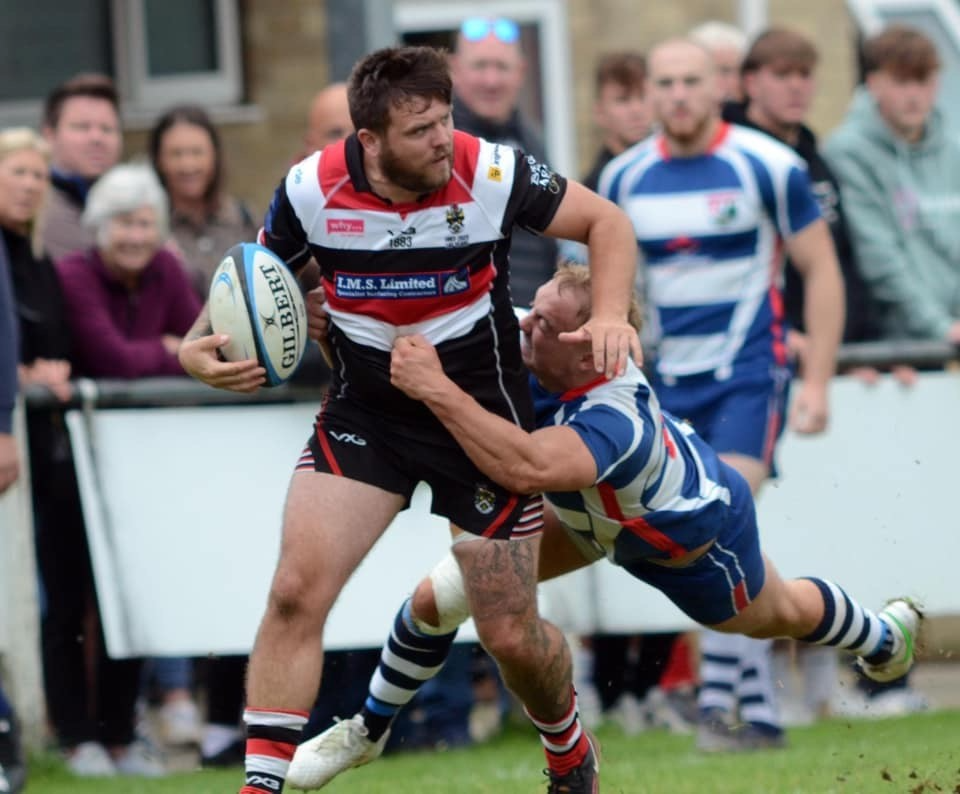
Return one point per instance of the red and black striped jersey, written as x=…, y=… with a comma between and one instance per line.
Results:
x=434, y=266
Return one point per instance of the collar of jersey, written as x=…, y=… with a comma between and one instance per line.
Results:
x=573, y=394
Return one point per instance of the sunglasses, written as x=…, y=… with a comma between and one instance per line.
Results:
x=477, y=28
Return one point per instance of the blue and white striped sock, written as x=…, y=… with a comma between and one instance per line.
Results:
x=848, y=625
x=719, y=672
x=410, y=658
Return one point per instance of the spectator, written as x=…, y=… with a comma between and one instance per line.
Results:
x=727, y=45
x=899, y=172
x=626, y=669
x=328, y=120
x=81, y=121
x=9, y=457
x=713, y=205
x=205, y=221
x=129, y=301
x=620, y=108
x=93, y=725
x=12, y=769
x=488, y=69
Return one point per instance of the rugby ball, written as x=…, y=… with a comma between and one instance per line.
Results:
x=255, y=299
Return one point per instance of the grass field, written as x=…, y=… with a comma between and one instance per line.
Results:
x=916, y=754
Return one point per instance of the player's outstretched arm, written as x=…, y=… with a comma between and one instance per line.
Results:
x=605, y=228
x=198, y=357
x=550, y=459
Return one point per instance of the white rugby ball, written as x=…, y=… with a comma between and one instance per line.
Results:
x=255, y=299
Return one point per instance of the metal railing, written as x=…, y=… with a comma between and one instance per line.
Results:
x=174, y=391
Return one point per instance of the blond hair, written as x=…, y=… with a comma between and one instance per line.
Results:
x=19, y=139
x=576, y=276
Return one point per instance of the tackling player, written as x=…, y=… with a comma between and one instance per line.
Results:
x=622, y=480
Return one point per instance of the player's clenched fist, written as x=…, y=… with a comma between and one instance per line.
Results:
x=415, y=367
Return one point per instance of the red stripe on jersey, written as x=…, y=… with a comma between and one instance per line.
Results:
x=490, y=531
x=668, y=439
x=332, y=167
x=719, y=137
x=407, y=311
x=572, y=394
x=776, y=306
x=740, y=598
x=637, y=525
x=281, y=750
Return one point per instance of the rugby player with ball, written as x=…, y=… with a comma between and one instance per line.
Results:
x=410, y=222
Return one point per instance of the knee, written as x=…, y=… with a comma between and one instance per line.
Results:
x=424, y=605
x=294, y=597
x=507, y=640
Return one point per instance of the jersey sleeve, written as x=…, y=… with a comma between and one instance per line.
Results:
x=283, y=233
x=788, y=195
x=802, y=206
x=609, y=434
x=535, y=196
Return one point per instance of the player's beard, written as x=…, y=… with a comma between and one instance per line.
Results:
x=416, y=180
x=691, y=134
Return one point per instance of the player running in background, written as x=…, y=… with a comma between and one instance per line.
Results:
x=624, y=480
x=410, y=222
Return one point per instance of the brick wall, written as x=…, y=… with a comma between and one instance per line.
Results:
x=285, y=63
x=600, y=26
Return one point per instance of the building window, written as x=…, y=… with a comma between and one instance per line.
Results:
x=160, y=52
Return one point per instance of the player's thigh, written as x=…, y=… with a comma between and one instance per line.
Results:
x=755, y=471
x=330, y=523
x=563, y=550
x=499, y=577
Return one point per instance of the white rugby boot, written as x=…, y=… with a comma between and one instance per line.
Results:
x=342, y=746
x=902, y=616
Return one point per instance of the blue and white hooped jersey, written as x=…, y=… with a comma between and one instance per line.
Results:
x=711, y=230
x=659, y=491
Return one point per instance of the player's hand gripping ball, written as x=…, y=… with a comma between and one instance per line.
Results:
x=255, y=299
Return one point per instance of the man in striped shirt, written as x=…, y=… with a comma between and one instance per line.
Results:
x=715, y=207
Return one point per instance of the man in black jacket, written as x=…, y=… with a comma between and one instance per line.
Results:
x=619, y=108
x=778, y=86
x=488, y=70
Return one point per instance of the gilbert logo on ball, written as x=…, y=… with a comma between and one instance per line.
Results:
x=255, y=299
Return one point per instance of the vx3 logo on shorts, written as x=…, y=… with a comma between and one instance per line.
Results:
x=348, y=438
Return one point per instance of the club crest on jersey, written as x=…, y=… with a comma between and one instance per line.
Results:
x=455, y=218
x=484, y=500
x=723, y=208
